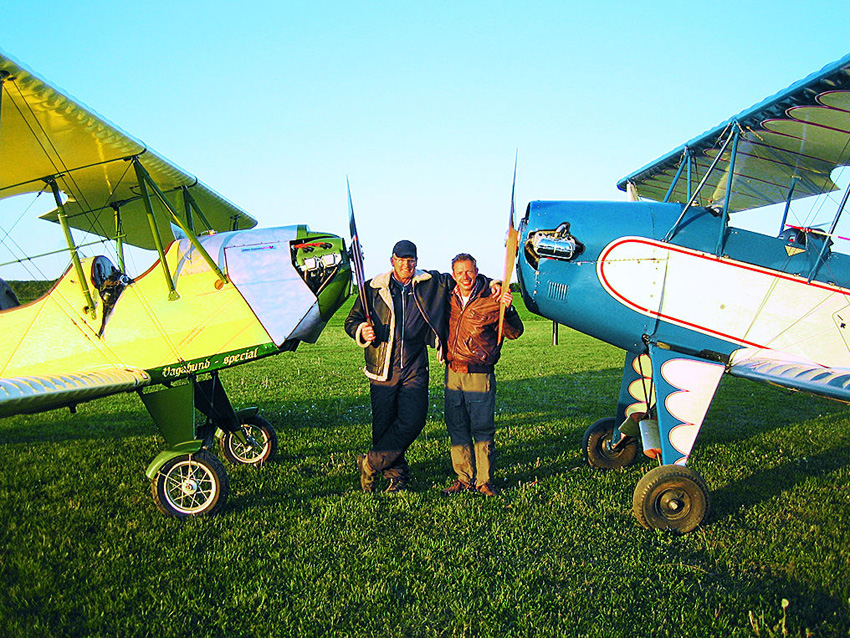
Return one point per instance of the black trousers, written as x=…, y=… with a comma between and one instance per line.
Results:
x=399, y=409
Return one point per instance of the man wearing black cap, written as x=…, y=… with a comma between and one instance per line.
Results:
x=407, y=310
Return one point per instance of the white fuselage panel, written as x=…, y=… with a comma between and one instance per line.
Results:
x=739, y=302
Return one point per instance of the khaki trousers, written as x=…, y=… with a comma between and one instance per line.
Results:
x=470, y=404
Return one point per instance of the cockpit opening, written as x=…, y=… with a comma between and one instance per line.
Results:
x=8, y=298
x=109, y=283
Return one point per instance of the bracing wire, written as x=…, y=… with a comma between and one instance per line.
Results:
x=21, y=257
x=59, y=166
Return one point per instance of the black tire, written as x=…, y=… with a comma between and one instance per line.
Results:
x=191, y=485
x=261, y=431
x=596, y=446
x=671, y=497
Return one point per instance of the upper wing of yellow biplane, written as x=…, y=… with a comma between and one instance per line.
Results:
x=796, y=137
x=46, y=135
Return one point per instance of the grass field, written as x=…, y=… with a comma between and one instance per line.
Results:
x=298, y=550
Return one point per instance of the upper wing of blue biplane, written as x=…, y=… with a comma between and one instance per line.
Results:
x=46, y=135
x=796, y=137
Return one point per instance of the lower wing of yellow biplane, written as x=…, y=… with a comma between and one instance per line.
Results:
x=46, y=392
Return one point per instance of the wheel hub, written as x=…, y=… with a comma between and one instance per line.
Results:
x=189, y=487
x=609, y=449
x=671, y=497
x=673, y=503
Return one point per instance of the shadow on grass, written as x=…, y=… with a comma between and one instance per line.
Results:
x=544, y=440
x=743, y=589
x=540, y=423
x=742, y=407
x=89, y=423
x=763, y=485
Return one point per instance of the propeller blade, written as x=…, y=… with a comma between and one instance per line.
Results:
x=357, y=258
x=511, y=246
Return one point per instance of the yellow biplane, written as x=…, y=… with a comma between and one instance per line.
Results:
x=221, y=292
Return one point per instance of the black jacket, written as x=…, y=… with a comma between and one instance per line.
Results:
x=431, y=291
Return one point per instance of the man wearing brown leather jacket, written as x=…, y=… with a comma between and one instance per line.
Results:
x=470, y=384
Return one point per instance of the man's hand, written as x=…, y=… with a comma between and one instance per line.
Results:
x=368, y=332
x=496, y=290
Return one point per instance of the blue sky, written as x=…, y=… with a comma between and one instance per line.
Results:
x=422, y=105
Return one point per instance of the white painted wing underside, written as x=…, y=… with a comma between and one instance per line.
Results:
x=44, y=392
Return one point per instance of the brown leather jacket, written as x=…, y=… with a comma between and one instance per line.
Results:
x=474, y=328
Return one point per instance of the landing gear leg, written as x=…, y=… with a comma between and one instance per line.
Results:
x=186, y=480
x=244, y=437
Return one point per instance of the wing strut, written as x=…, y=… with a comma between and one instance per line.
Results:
x=685, y=161
x=736, y=135
x=696, y=193
x=119, y=235
x=72, y=248
x=788, y=198
x=826, y=240
x=190, y=205
x=145, y=179
x=3, y=76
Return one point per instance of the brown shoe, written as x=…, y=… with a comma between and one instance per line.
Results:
x=457, y=487
x=367, y=479
x=488, y=489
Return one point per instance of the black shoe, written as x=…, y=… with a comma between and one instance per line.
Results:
x=397, y=485
x=367, y=480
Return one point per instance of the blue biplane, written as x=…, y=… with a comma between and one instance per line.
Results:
x=689, y=297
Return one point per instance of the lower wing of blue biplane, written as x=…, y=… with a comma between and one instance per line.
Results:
x=794, y=374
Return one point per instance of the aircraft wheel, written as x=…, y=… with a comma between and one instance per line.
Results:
x=191, y=485
x=596, y=446
x=671, y=497
x=261, y=446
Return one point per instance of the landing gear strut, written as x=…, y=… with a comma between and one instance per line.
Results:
x=186, y=478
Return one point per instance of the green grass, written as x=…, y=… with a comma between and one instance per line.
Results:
x=27, y=291
x=299, y=550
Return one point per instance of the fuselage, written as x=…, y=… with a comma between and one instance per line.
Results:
x=609, y=270
x=283, y=284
